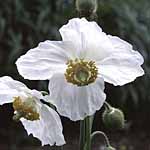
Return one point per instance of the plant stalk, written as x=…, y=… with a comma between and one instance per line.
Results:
x=85, y=133
x=88, y=133
x=82, y=134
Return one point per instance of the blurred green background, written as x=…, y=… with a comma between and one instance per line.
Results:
x=23, y=24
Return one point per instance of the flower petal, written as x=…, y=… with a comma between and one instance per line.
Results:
x=6, y=94
x=123, y=65
x=88, y=38
x=48, y=129
x=12, y=84
x=43, y=61
x=9, y=88
x=76, y=102
x=36, y=94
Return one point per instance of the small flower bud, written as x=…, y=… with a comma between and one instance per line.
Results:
x=86, y=8
x=85, y=5
x=113, y=118
x=109, y=148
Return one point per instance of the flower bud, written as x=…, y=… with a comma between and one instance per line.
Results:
x=86, y=8
x=109, y=148
x=113, y=118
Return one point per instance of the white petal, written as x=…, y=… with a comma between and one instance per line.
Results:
x=7, y=94
x=12, y=84
x=119, y=44
x=36, y=94
x=9, y=88
x=48, y=129
x=123, y=65
x=76, y=102
x=42, y=62
x=88, y=38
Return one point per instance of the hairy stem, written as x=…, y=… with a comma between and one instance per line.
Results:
x=103, y=134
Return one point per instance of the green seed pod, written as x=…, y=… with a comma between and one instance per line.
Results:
x=109, y=148
x=113, y=118
x=86, y=8
x=86, y=5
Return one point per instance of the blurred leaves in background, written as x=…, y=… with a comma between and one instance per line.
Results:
x=23, y=24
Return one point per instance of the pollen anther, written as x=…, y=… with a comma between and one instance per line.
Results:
x=81, y=72
x=25, y=109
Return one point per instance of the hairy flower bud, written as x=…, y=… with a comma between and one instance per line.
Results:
x=109, y=148
x=86, y=8
x=113, y=118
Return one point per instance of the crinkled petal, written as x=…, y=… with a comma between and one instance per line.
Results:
x=76, y=102
x=36, y=94
x=48, y=129
x=43, y=61
x=123, y=65
x=9, y=88
x=119, y=44
x=6, y=94
x=90, y=42
x=12, y=84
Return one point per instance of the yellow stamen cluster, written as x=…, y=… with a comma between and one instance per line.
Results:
x=81, y=72
x=25, y=109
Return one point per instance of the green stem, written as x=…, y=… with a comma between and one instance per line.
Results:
x=88, y=133
x=85, y=133
x=61, y=148
x=103, y=134
x=82, y=134
x=107, y=105
x=44, y=93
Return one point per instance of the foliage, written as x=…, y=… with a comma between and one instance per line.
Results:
x=23, y=24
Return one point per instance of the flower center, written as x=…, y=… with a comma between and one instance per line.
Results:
x=81, y=72
x=26, y=109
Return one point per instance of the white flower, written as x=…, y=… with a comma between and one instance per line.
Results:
x=78, y=65
x=37, y=118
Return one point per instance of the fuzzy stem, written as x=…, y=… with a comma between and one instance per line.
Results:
x=103, y=134
x=107, y=105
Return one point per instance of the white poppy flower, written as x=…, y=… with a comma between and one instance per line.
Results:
x=78, y=65
x=37, y=118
